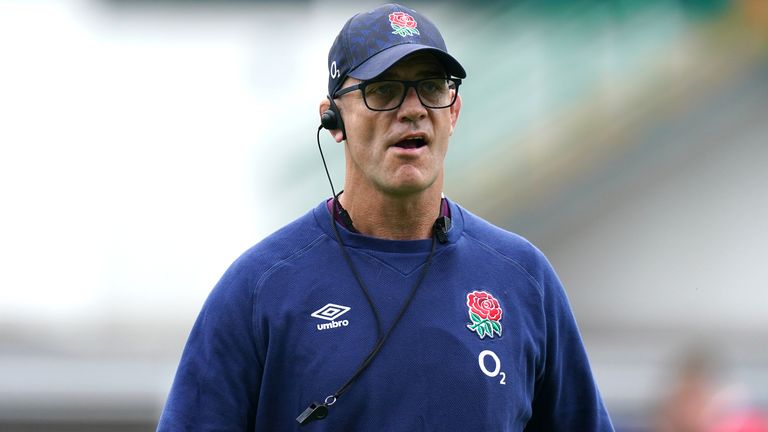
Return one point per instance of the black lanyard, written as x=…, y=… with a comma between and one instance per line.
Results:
x=316, y=410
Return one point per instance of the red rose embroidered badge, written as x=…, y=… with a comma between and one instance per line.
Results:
x=485, y=313
x=403, y=24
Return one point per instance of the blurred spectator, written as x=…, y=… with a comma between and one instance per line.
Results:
x=697, y=402
x=692, y=404
x=742, y=420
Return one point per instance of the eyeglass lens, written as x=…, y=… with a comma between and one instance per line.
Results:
x=433, y=93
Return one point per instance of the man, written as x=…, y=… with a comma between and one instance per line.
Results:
x=388, y=308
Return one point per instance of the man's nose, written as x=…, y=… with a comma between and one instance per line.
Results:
x=411, y=109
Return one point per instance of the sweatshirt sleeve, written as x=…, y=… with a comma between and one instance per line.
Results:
x=218, y=379
x=566, y=395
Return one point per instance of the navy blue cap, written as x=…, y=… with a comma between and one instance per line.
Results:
x=371, y=42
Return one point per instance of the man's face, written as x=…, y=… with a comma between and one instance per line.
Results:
x=398, y=152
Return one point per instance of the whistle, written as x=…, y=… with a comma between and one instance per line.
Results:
x=315, y=411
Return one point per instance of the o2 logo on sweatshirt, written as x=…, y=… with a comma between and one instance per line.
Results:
x=481, y=360
x=331, y=312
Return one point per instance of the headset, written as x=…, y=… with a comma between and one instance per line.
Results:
x=331, y=119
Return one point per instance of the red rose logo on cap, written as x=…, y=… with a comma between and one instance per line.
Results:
x=403, y=24
x=485, y=313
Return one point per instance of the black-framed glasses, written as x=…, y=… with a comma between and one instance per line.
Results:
x=387, y=95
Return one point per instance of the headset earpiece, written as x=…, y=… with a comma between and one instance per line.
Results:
x=331, y=119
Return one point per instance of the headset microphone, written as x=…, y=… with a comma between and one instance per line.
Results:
x=441, y=227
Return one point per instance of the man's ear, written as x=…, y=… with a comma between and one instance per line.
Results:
x=455, y=109
x=337, y=134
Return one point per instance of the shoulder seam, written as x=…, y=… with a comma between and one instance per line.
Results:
x=256, y=288
x=273, y=267
x=510, y=259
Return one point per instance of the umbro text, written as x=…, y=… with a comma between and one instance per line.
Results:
x=332, y=324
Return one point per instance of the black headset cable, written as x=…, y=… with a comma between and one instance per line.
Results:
x=317, y=411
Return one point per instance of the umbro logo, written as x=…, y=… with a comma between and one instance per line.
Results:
x=330, y=312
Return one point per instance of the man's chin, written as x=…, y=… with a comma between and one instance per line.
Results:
x=408, y=187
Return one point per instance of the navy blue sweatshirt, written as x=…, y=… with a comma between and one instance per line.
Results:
x=489, y=342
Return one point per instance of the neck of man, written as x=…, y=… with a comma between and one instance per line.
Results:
x=393, y=217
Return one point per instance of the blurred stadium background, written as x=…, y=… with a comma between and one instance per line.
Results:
x=145, y=144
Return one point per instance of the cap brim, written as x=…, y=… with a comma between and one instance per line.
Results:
x=383, y=60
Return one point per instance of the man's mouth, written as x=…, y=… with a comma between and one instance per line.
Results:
x=411, y=143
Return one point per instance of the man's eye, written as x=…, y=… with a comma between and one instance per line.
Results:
x=429, y=86
x=381, y=89
x=433, y=86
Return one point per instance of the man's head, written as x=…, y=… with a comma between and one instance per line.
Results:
x=391, y=79
x=371, y=42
